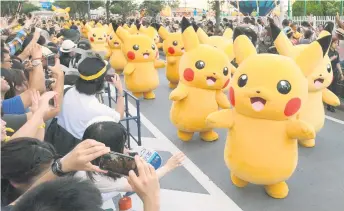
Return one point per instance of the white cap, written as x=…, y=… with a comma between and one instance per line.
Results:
x=67, y=46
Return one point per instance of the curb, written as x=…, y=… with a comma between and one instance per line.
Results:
x=341, y=106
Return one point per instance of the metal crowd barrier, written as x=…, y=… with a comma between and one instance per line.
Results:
x=128, y=117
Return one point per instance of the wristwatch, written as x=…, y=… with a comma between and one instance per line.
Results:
x=36, y=62
x=56, y=168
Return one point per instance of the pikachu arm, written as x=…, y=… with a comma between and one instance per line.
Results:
x=171, y=59
x=297, y=129
x=220, y=119
x=179, y=93
x=159, y=63
x=330, y=98
x=222, y=99
x=108, y=54
x=159, y=45
x=129, y=69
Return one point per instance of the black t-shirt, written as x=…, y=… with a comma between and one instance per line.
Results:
x=332, y=53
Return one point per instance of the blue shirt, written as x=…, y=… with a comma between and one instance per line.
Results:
x=13, y=105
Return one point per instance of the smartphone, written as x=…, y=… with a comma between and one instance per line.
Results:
x=109, y=77
x=50, y=59
x=118, y=163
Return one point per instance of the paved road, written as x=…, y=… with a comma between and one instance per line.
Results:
x=317, y=184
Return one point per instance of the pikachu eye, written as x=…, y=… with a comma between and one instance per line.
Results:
x=200, y=64
x=110, y=37
x=329, y=68
x=283, y=87
x=175, y=43
x=94, y=35
x=153, y=47
x=136, y=47
x=242, y=81
x=225, y=71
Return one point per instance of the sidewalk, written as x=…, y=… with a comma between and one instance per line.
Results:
x=341, y=107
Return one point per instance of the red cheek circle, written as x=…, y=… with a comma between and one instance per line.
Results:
x=131, y=55
x=189, y=74
x=292, y=106
x=226, y=84
x=91, y=39
x=231, y=96
x=171, y=50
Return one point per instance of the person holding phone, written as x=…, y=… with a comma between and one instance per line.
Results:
x=113, y=135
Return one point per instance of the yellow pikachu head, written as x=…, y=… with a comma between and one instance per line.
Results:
x=202, y=66
x=97, y=35
x=59, y=12
x=136, y=47
x=269, y=86
x=135, y=28
x=150, y=32
x=84, y=30
x=321, y=76
x=173, y=43
x=113, y=40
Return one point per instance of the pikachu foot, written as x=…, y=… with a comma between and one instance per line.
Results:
x=149, y=95
x=307, y=143
x=209, y=136
x=237, y=181
x=277, y=191
x=137, y=94
x=172, y=85
x=185, y=136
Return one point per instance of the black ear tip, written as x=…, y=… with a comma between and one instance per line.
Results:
x=114, y=26
x=325, y=43
x=185, y=24
x=194, y=25
x=156, y=26
x=275, y=30
x=237, y=32
x=329, y=27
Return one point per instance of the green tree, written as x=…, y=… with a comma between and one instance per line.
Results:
x=173, y=3
x=79, y=7
x=317, y=8
x=123, y=8
x=27, y=8
x=152, y=7
x=216, y=6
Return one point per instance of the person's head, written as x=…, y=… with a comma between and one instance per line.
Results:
x=285, y=23
x=92, y=71
x=6, y=61
x=23, y=161
x=20, y=82
x=334, y=43
x=106, y=130
x=308, y=34
x=293, y=26
x=289, y=32
x=61, y=194
x=6, y=84
x=247, y=20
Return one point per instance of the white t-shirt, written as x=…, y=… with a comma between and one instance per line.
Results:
x=78, y=109
x=107, y=186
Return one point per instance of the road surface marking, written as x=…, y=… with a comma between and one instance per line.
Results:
x=334, y=119
x=203, y=179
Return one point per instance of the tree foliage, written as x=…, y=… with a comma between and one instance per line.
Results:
x=80, y=7
x=216, y=6
x=123, y=8
x=153, y=7
x=10, y=7
x=317, y=8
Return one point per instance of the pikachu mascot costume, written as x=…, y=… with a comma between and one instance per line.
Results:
x=267, y=92
x=203, y=71
x=153, y=34
x=117, y=59
x=313, y=110
x=173, y=47
x=98, y=39
x=140, y=74
x=59, y=12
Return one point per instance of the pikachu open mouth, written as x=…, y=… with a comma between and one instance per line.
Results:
x=257, y=103
x=146, y=55
x=100, y=38
x=318, y=83
x=211, y=81
x=116, y=44
x=183, y=50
